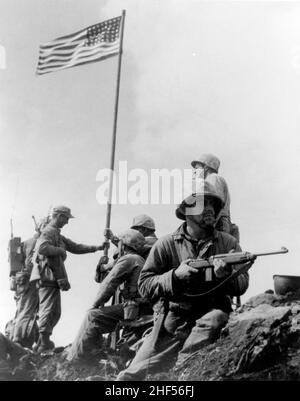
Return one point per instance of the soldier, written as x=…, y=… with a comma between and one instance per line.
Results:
x=184, y=323
x=207, y=167
x=25, y=326
x=51, y=250
x=104, y=319
x=146, y=226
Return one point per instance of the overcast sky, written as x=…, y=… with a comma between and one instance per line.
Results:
x=197, y=76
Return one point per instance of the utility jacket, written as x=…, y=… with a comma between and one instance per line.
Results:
x=51, y=263
x=222, y=190
x=157, y=279
x=124, y=273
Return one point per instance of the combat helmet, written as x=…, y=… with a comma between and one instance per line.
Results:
x=143, y=220
x=66, y=211
x=207, y=190
x=209, y=160
x=133, y=239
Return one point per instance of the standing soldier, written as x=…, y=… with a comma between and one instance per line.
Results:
x=207, y=167
x=184, y=321
x=104, y=319
x=51, y=253
x=25, y=326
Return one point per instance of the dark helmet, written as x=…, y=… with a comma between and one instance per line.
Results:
x=133, y=239
x=143, y=220
x=209, y=160
x=66, y=211
x=207, y=190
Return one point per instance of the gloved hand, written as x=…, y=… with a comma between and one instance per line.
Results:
x=108, y=233
x=103, y=261
x=64, y=284
x=105, y=245
x=184, y=271
x=221, y=268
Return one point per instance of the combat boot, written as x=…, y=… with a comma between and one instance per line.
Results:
x=45, y=344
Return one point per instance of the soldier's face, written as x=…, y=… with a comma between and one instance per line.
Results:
x=207, y=217
x=62, y=220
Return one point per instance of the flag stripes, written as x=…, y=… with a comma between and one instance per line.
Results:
x=92, y=44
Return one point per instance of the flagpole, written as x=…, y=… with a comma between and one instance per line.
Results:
x=114, y=136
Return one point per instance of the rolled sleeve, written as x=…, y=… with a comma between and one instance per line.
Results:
x=78, y=249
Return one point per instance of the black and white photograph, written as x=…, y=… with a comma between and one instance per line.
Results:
x=149, y=161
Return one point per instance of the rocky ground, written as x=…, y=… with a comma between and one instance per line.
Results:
x=260, y=342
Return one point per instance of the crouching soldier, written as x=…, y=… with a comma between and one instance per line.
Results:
x=51, y=252
x=104, y=319
x=185, y=321
x=25, y=330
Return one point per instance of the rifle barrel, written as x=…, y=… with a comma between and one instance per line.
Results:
x=282, y=250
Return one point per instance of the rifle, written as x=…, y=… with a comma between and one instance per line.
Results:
x=116, y=299
x=36, y=227
x=206, y=266
x=11, y=229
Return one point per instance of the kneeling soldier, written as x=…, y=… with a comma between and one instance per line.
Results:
x=185, y=323
x=104, y=319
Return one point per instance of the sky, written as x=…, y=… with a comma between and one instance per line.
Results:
x=197, y=77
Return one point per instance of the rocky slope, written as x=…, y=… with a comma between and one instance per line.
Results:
x=260, y=342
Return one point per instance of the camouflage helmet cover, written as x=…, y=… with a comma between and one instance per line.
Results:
x=208, y=160
x=133, y=239
x=206, y=191
x=142, y=220
x=66, y=211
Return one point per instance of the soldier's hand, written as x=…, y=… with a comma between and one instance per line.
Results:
x=104, y=245
x=64, y=284
x=108, y=233
x=184, y=271
x=103, y=260
x=221, y=268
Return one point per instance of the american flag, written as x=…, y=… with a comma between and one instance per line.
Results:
x=91, y=44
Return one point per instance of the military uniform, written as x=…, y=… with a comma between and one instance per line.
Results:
x=145, y=222
x=25, y=325
x=188, y=323
x=53, y=273
x=104, y=319
x=223, y=220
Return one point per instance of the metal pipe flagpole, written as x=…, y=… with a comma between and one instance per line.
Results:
x=113, y=145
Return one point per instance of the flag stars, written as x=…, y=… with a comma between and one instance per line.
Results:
x=107, y=31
